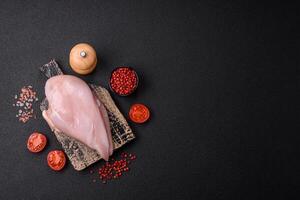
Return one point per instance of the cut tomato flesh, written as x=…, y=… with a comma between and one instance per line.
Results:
x=139, y=113
x=36, y=142
x=56, y=160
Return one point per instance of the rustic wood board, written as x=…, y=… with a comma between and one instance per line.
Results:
x=80, y=155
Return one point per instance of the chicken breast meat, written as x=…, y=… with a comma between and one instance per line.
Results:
x=74, y=110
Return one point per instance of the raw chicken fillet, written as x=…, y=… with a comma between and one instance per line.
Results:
x=74, y=110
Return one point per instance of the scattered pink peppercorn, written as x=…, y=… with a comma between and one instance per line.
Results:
x=114, y=169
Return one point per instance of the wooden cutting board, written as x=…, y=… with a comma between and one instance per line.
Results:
x=80, y=155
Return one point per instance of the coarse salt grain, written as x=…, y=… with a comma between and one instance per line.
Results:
x=24, y=102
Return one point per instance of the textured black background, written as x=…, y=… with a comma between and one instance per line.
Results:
x=220, y=77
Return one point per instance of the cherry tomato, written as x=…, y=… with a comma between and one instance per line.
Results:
x=36, y=142
x=56, y=160
x=139, y=113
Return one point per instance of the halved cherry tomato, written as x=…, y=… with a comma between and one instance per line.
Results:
x=56, y=160
x=139, y=113
x=36, y=142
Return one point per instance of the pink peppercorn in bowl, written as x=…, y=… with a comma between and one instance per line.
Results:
x=123, y=80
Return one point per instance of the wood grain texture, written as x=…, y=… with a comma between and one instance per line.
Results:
x=80, y=155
